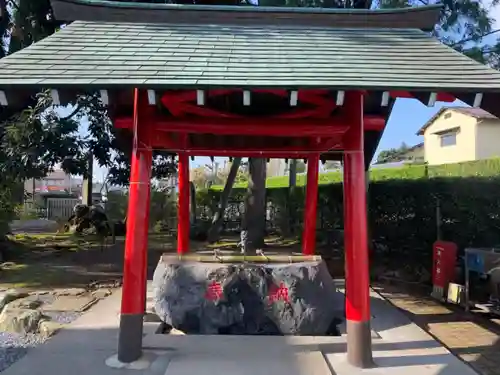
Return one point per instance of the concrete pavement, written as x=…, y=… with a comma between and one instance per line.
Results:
x=399, y=346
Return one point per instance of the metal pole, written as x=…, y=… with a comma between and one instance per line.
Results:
x=310, y=212
x=359, y=351
x=467, y=282
x=438, y=219
x=136, y=242
x=183, y=210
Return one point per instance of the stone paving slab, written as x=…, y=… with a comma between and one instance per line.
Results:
x=71, y=303
x=474, y=339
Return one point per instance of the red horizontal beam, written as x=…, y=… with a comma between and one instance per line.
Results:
x=322, y=146
x=252, y=154
x=250, y=128
x=260, y=127
x=169, y=141
x=374, y=123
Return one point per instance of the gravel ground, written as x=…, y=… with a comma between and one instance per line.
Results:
x=62, y=317
x=14, y=346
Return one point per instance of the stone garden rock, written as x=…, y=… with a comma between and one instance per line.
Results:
x=71, y=292
x=20, y=321
x=279, y=299
x=101, y=293
x=48, y=328
x=30, y=303
x=11, y=295
x=40, y=293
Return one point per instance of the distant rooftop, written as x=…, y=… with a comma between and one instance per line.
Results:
x=473, y=112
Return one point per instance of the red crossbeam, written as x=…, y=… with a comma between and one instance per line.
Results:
x=219, y=127
x=266, y=153
x=258, y=127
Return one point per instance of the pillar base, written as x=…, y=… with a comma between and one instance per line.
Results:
x=142, y=363
x=130, y=338
x=359, y=344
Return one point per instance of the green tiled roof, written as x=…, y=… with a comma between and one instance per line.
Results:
x=103, y=55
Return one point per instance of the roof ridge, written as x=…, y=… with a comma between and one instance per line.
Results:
x=126, y=4
x=423, y=18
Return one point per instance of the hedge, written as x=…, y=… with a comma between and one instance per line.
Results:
x=479, y=168
x=402, y=214
x=402, y=208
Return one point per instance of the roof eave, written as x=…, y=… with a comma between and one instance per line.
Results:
x=423, y=18
x=422, y=130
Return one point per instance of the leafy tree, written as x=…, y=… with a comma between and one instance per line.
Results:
x=37, y=139
x=393, y=154
x=462, y=25
x=199, y=177
x=241, y=172
x=4, y=26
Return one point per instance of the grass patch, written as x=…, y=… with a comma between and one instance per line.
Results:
x=25, y=243
x=31, y=276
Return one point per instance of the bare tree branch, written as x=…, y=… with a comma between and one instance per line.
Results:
x=75, y=111
x=474, y=37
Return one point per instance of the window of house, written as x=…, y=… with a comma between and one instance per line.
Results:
x=448, y=139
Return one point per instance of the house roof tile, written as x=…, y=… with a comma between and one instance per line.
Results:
x=474, y=112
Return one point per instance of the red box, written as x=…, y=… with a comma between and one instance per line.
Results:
x=444, y=262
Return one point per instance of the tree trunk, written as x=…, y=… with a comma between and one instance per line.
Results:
x=87, y=183
x=254, y=223
x=214, y=231
x=292, y=183
x=192, y=204
x=292, y=178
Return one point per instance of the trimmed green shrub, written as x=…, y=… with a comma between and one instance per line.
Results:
x=402, y=213
x=479, y=168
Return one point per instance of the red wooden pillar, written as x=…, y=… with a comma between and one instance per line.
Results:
x=136, y=242
x=359, y=351
x=183, y=213
x=309, y=240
